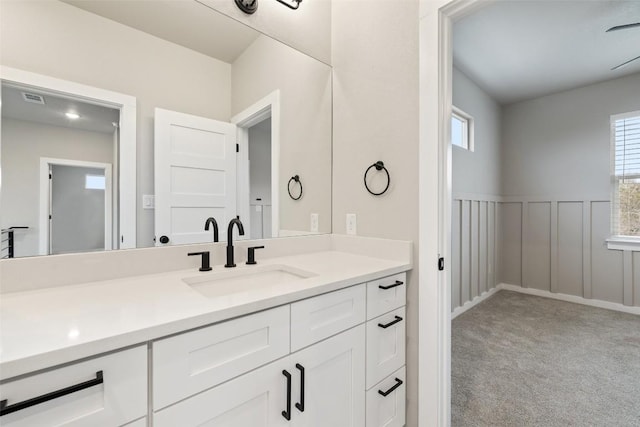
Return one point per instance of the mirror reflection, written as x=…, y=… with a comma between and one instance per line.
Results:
x=124, y=122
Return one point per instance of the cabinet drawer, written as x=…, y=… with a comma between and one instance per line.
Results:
x=385, y=345
x=386, y=404
x=255, y=399
x=320, y=317
x=189, y=363
x=119, y=398
x=386, y=294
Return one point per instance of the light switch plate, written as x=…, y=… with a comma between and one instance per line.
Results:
x=148, y=201
x=351, y=224
x=314, y=222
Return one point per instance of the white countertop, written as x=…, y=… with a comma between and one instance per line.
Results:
x=47, y=327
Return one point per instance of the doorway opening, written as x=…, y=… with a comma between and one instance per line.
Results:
x=259, y=152
x=76, y=206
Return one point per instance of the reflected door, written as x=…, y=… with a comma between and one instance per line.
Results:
x=195, y=176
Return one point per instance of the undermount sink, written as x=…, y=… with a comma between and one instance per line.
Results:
x=245, y=279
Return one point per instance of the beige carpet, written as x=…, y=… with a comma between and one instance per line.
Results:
x=521, y=360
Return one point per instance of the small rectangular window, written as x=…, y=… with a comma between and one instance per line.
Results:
x=461, y=129
x=95, y=182
x=625, y=164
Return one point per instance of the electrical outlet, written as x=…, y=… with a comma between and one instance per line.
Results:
x=351, y=224
x=314, y=222
x=148, y=201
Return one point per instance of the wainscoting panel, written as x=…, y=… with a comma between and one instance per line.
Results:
x=570, y=272
x=607, y=269
x=538, y=238
x=473, y=246
x=510, y=243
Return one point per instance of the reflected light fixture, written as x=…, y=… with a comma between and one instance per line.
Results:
x=71, y=115
x=250, y=6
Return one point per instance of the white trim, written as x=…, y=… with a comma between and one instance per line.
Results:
x=621, y=116
x=45, y=199
x=477, y=300
x=571, y=298
x=269, y=106
x=624, y=243
x=127, y=128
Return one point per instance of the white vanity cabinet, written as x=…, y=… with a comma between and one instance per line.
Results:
x=106, y=391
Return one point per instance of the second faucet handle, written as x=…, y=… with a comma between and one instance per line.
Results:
x=206, y=263
x=251, y=254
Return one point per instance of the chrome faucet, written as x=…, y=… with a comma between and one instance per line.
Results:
x=212, y=220
x=234, y=221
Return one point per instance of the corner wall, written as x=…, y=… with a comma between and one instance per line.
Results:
x=376, y=117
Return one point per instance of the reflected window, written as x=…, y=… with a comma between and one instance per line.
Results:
x=461, y=129
x=95, y=182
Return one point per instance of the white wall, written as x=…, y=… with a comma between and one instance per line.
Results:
x=307, y=29
x=23, y=143
x=375, y=113
x=558, y=145
x=305, y=148
x=102, y=53
x=478, y=171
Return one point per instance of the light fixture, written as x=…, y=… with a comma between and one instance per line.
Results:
x=71, y=115
x=250, y=6
x=291, y=4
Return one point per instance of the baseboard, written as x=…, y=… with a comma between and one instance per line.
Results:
x=470, y=304
x=571, y=298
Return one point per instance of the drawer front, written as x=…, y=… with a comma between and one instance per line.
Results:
x=255, y=399
x=189, y=363
x=320, y=317
x=385, y=345
x=120, y=398
x=386, y=294
x=388, y=410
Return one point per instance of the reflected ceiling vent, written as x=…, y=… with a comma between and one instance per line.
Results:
x=34, y=98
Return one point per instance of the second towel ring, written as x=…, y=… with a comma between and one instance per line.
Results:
x=295, y=178
x=379, y=165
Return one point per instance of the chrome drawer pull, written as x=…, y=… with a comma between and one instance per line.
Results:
x=8, y=409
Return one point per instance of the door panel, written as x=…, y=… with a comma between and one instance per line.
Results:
x=195, y=175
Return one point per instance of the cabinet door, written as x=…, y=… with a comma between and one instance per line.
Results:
x=256, y=399
x=334, y=382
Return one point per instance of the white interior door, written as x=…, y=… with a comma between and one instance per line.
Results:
x=195, y=176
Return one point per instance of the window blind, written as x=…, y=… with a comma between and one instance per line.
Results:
x=627, y=146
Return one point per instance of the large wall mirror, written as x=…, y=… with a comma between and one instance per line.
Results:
x=130, y=123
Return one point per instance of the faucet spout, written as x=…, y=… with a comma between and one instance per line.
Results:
x=212, y=221
x=230, y=258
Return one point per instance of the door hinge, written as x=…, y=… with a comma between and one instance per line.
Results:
x=49, y=216
x=237, y=148
x=50, y=176
x=122, y=239
x=441, y=264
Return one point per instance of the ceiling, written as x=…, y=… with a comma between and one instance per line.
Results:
x=185, y=22
x=94, y=118
x=522, y=49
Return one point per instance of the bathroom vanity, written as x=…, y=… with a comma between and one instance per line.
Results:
x=311, y=339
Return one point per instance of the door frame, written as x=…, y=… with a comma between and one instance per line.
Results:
x=125, y=222
x=44, y=233
x=269, y=106
x=435, y=155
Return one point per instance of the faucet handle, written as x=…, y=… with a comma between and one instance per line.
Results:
x=206, y=265
x=251, y=254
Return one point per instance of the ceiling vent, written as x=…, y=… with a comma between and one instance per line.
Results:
x=33, y=98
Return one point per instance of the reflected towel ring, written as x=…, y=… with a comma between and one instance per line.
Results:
x=295, y=178
x=379, y=165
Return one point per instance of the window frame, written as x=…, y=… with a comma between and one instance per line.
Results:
x=618, y=241
x=468, y=128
